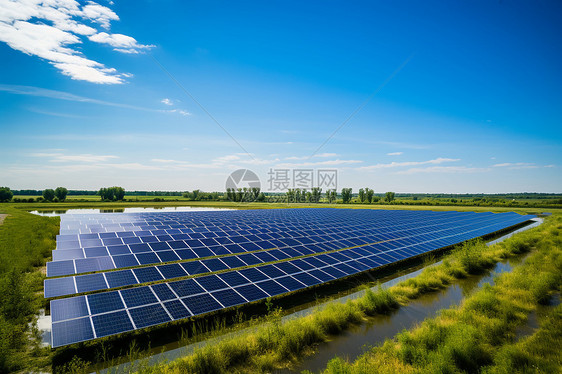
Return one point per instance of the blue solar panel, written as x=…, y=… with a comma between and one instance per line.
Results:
x=90, y=282
x=176, y=309
x=306, y=278
x=254, y=275
x=55, y=269
x=290, y=283
x=186, y=254
x=147, y=258
x=233, y=278
x=287, y=267
x=59, y=287
x=115, y=250
x=214, y=264
x=140, y=248
x=233, y=262
x=138, y=296
x=271, y=287
x=163, y=291
x=120, y=278
x=296, y=232
x=271, y=271
x=71, y=331
x=194, y=267
x=172, y=271
x=73, y=307
x=148, y=274
x=250, y=259
x=149, y=315
x=112, y=323
x=186, y=287
x=105, y=302
x=211, y=282
x=203, y=303
x=228, y=297
x=251, y=292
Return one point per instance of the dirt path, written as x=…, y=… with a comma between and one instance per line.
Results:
x=2, y=216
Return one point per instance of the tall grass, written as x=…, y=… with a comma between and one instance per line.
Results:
x=478, y=335
x=26, y=241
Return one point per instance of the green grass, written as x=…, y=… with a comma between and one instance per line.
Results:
x=95, y=202
x=479, y=335
x=26, y=241
x=275, y=344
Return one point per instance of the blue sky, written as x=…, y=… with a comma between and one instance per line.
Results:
x=466, y=93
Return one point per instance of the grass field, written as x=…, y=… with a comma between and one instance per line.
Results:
x=70, y=204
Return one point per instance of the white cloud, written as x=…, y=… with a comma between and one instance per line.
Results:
x=394, y=153
x=444, y=169
x=519, y=165
x=320, y=163
x=60, y=95
x=120, y=42
x=326, y=155
x=60, y=157
x=51, y=30
x=439, y=160
x=166, y=101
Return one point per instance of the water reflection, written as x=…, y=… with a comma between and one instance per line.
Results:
x=58, y=212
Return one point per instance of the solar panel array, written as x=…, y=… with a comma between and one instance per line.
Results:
x=176, y=265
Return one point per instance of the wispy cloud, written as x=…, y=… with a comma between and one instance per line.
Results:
x=167, y=101
x=439, y=160
x=337, y=162
x=444, y=169
x=517, y=165
x=320, y=155
x=60, y=157
x=61, y=95
x=51, y=30
x=394, y=153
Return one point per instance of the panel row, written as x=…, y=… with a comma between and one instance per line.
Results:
x=88, y=317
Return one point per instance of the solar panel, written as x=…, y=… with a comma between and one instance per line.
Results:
x=200, y=304
x=105, y=302
x=176, y=309
x=251, y=292
x=149, y=315
x=138, y=296
x=228, y=297
x=109, y=242
x=112, y=323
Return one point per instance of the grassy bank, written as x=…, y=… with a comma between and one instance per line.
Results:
x=26, y=241
x=69, y=204
x=479, y=335
x=275, y=344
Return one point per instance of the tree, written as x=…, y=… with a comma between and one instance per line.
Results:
x=346, y=195
x=5, y=194
x=112, y=193
x=361, y=195
x=255, y=193
x=49, y=194
x=316, y=194
x=369, y=195
x=60, y=193
x=389, y=196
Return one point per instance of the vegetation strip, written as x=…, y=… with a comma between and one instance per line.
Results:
x=26, y=241
x=276, y=343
